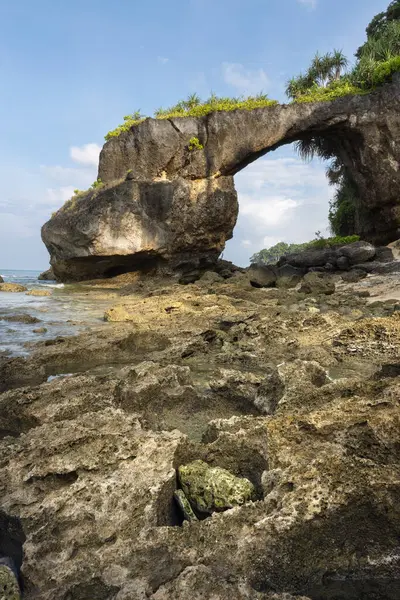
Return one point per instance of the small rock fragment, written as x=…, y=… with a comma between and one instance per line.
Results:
x=184, y=505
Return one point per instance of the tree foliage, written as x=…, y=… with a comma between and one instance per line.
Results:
x=324, y=70
x=270, y=256
x=326, y=79
x=379, y=23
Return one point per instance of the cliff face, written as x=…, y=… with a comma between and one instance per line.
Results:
x=168, y=203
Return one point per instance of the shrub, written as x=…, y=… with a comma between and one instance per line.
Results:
x=194, y=144
x=96, y=184
x=337, y=89
x=384, y=71
x=334, y=241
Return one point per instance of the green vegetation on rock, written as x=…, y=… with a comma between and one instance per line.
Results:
x=377, y=61
x=195, y=107
x=194, y=144
x=96, y=184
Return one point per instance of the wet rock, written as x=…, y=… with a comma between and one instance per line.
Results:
x=26, y=319
x=358, y=252
x=39, y=292
x=12, y=287
x=262, y=276
x=213, y=489
x=1, y=279
x=40, y=330
x=47, y=275
x=317, y=283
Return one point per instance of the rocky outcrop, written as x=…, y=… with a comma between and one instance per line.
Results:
x=237, y=377
x=47, y=275
x=164, y=204
x=170, y=225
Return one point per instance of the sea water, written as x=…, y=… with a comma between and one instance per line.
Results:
x=66, y=312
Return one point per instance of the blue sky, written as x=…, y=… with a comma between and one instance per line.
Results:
x=71, y=70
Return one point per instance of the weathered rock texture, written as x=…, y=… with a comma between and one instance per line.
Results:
x=164, y=203
x=236, y=377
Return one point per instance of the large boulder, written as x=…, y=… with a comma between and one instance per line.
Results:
x=164, y=205
x=262, y=276
x=312, y=257
x=317, y=283
x=358, y=252
x=169, y=225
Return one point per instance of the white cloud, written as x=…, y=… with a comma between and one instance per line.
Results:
x=12, y=225
x=57, y=196
x=80, y=178
x=246, y=243
x=88, y=154
x=280, y=199
x=309, y=3
x=268, y=211
x=163, y=60
x=244, y=80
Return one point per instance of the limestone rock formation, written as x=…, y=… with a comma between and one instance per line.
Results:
x=163, y=204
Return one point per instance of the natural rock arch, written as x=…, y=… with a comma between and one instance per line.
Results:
x=163, y=205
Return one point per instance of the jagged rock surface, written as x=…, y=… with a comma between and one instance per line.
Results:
x=163, y=204
x=235, y=376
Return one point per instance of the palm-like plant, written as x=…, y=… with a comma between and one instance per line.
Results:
x=339, y=63
x=192, y=101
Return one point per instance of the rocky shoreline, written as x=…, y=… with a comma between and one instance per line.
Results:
x=295, y=390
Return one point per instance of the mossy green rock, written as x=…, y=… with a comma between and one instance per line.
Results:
x=9, y=588
x=211, y=489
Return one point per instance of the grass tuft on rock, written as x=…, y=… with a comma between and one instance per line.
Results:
x=193, y=106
